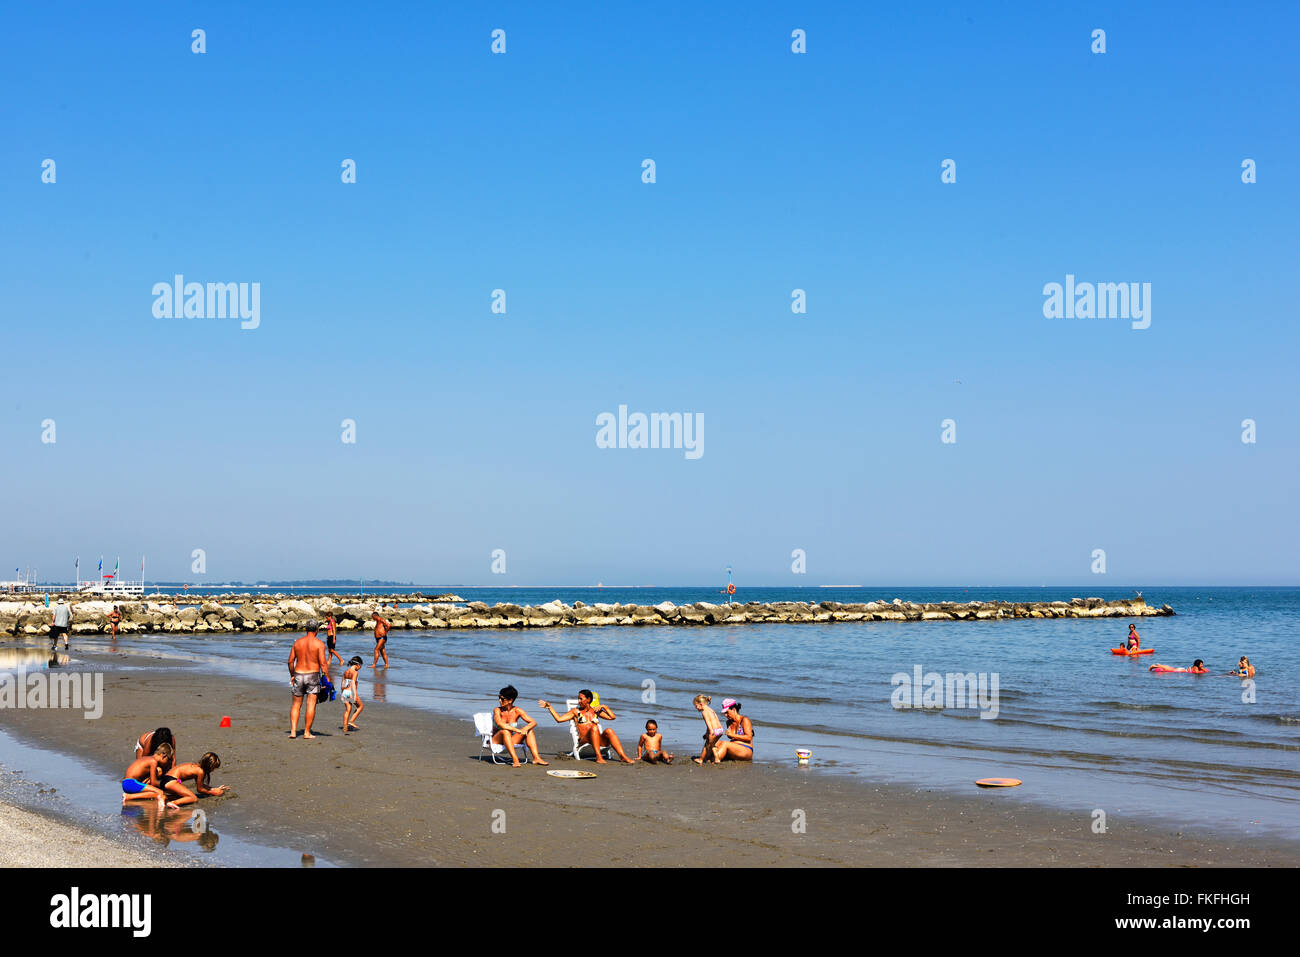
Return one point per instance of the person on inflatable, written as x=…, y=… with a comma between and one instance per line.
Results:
x=1134, y=642
x=1197, y=668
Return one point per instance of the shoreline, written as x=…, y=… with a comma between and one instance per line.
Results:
x=407, y=790
x=35, y=839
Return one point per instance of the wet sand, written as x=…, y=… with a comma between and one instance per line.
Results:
x=408, y=790
x=34, y=840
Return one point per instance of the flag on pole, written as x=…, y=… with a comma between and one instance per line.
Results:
x=101, y=563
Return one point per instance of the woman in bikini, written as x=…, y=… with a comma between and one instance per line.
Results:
x=589, y=731
x=739, y=745
x=504, y=718
x=151, y=741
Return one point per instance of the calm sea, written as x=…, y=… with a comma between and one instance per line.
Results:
x=1082, y=728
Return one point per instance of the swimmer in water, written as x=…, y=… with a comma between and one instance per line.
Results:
x=1244, y=668
x=1197, y=668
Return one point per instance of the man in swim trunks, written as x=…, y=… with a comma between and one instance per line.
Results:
x=60, y=622
x=308, y=660
x=381, y=639
x=332, y=637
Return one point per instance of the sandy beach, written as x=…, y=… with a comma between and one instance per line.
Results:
x=408, y=790
x=35, y=840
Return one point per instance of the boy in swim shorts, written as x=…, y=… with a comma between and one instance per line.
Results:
x=650, y=747
x=143, y=778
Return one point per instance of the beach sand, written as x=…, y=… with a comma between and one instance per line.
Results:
x=407, y=789
x=35, y=840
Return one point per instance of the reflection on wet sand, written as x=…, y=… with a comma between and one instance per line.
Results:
x=31, y=659
x=164, y=825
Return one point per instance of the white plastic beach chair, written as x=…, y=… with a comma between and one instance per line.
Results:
x=569, y=705
x=483, y=727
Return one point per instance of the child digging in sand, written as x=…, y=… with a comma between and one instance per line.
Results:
x=143, y=777
x=650, y=747
x=201, y=774
x=713, y=729
x=351, y=694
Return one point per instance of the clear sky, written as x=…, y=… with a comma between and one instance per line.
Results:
x=775, y=171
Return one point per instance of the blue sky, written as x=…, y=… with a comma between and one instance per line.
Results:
x=775, y=171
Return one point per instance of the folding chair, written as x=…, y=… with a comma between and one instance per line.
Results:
x=484, y=729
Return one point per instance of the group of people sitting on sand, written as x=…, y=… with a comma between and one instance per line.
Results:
x=155, y=775
x=734, y=742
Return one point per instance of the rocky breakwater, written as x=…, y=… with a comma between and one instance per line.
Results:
x=227, y=613
x=19, y=619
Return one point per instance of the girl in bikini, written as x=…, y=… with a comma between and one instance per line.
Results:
x=740, y=732
x=589, y=731
x=712, y=728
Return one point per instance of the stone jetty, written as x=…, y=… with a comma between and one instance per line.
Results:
x=166, y=614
